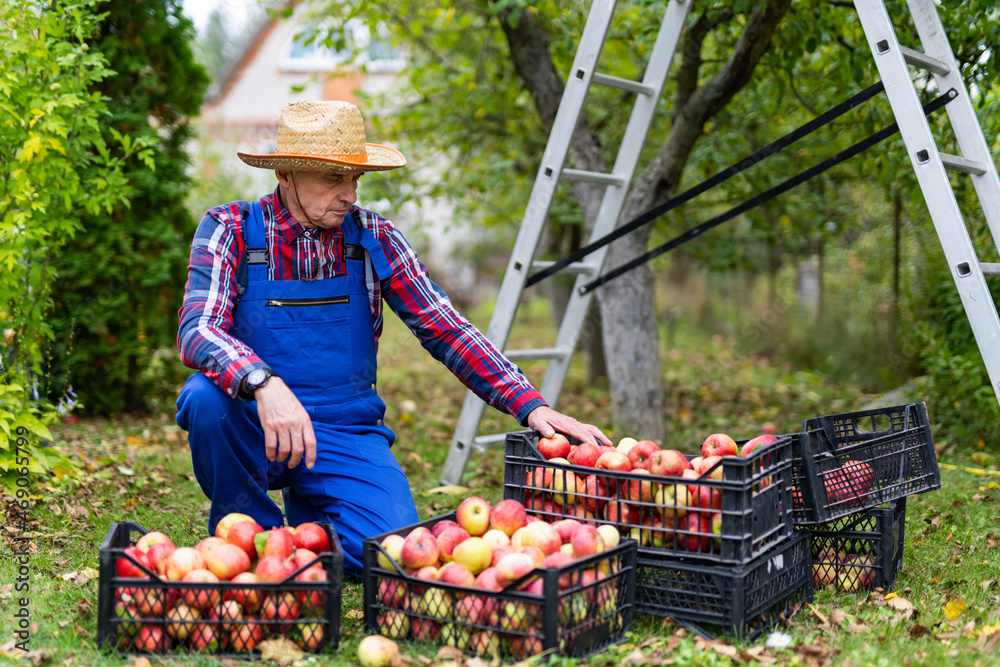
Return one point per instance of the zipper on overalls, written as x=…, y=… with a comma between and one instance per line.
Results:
x=330, y=301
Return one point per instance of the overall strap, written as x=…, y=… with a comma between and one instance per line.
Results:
x=256, y=251
x=355, y=234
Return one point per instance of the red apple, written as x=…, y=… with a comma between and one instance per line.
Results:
x=473, y=514
x=760, y=441
x=668, y=462
x=419, y=551
x=311, y=636
x=456, y=573
x=420, y=530
x=204, y=637
x=487, y=579
x=151, y=602
x=614, y=460
x=621, y=513
x=158, y=554
x=210, y=543
x=244, y=638
x=228, y=613
x=719, y=444
x=305, y=558
x=278, y=542
x=280, y=607
x=126, y=568
x=698, y=535
x=540, y=478
x=227, y=560
x=273, y=568
x=311, y=536
x=587, y=541
x=860, y=477
x=565, y=528
x=242, y=535
x=248, y=598
x=393, y=624
x=500, y=552
x=637, y=490
x=393, y=594
x=512, y=567
x=151, y=538
x=228, y=521
x=536, y=555
x=181, y=562
x=448, y=540
x=705, y=468
x=555, y=447
x=639, y=453
x=508, y=515
x=150, y=639
x=441, y=526
x=201, y=598
x=584, y=454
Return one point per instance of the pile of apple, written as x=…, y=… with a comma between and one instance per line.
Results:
x=656, y=512
x=496, y=549
x=849, y=484
x=207, y=618
x=849, y=572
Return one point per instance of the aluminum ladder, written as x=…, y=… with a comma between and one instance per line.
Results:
x=550, y=172
x=931, y=165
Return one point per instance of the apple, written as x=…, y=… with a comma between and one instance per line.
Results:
x=420, y=530
x=704, y=496
x=393, y=594
x=242, y=535
x=541, y=478
x=536, y=555
x=661, y=534
x=610, y=534
x=126, y=568
x=305, y=558
x=762, y=440
x=150, y=639
x=311, y=536
x=621, y=513
x=585, y=454
x=425, y=630
x=419, y=551
x=637, y=490
x=151, y=602
x=312, y=600
x=555, y=447
x=717, y=531
x=210, y=543
x=244, y=638
x=507, y=516
x=538, y=534
x=473, y=514
x=228, y=521
x=458, y=574
x=277, y=542
x=565, y=528
x=127, y=613
x=672, y=501
x=512, y=567
x=378, y=651
x=694, y=463
x=435, y=602
x=639, y=454
x=248, y=598
x=448, y=539
x=615, y=461
x=158, y=554
x=587, y=540
x=485, y=642
x=719, y=444
x=860, y=477
x=667, y=462
x=457, y=635
x=227, y=613
x=565, y=485
x=500, y=552
x=825, y=567
x=698, y=536
x=524, y=646
x=473, y=609
x=705, y=469
x=226, y=560
x=204, y=637
x=495, y=538
x=273, y=568
x=280, y=607
x=392, y=546
x=442, y=525
x=310, y=636
x=181, y=562
x=474, y=554
x=838, y=487
x=181, y=619
x=557, y=560
x=595, y=492
x=394, y=624
x=201, y=598
x=487, y=579
x=625, y=445
x=151, y=538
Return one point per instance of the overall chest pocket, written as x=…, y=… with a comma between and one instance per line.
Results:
x=309, y=342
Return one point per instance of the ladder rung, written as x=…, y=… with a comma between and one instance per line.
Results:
x=966, y=166
x=575, y=267
x=592, y=177
x=990, y=269
x=924, y=61
x=483, y=441
x=536, y=355
x=622, y=84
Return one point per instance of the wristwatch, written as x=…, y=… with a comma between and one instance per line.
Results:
x=254, y=380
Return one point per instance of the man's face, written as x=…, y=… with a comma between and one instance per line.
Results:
x=319, y=199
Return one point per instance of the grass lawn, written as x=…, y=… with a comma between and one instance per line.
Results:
x=139, y=469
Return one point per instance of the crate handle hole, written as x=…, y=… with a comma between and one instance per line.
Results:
x=872, y=424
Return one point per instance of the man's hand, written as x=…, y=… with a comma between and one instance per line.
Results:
x=288, y=431
x=547, y=421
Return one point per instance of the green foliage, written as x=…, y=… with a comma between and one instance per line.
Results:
x=119, y=283
x=56, y=165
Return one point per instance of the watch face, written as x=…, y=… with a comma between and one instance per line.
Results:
x=256, y=377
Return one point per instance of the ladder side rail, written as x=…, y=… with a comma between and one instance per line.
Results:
x=961, y=112
x=609, y=213
x=565, y=123
x=935, y=185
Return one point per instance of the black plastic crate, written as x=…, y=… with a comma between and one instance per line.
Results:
x=314, y=625
x=861, y=551
x=739, y=602
x=851, y=462
x=747, y=513
x=583, y=607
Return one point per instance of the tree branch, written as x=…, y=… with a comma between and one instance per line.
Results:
x=691, y=61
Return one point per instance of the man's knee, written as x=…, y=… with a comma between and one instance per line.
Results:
x=202, y=404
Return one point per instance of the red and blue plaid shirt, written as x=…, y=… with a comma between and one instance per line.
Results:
x=297, y=253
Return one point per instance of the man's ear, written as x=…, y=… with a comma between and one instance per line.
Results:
x=283, y=177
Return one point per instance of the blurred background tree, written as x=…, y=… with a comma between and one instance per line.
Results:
x=121, y=279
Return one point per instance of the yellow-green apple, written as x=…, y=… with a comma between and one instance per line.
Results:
x=377, y=651
x=274, y=568
x=572, y=609
x=753, y=443
x=541, y=478
x=277, y=542
x=151, y=602
x=587, y=540
x=500, y=552
x=228, y=521
x=126, y=568
x=312, y=600
x=311, y=536
x=856, y=572
x=435, y=602
x=496, y=538
x=473, y=514
x=719, y=444
x=393, y=624
x=555, y=447
x=242, y=535
x=457, y=635
x=637, y=490
x=639, y=454
x=825, y=567
x=158, y=554
x=280, y=607
x=310, y=636
x=610, y=534
x=150, y=639
x=711, y=467
x=182, y=561
x=507, y=516
x=717, y=531
x=667, y=462
x=204, y=637
x=226, y=561
x=565, y=528
x=245, y=637
x=536, y=555
x=419, y=551
x=485, y=642
x=697, y=535
x=248, y=598
x=695, y=462
x=448, y=540
x=640, y=535
x=672, y=502
x=625, y=445
x=151, y=538
x=538, y=534
x=565, y=485
x=585, y=454
x=474, y=554
x=517, y=616
x=127, y=613
x=425, y=630
x=210, y=543
x=442, y=525
x=201, y=598
x=456, y=573
x=661, y=536
x=181, y=620
x=392, y=546
x=512, y=567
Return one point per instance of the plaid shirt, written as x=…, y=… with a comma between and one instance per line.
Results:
x=297, y=253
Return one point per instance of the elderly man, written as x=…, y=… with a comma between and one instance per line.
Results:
x=282, y=314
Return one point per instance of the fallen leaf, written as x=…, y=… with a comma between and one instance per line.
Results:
x=991, y=642
x=126, y=471
x=80, y=630
x=918, y=631
x=899, y=604
x=986, y=584
x=63, y=624
x=725, y=649
x=449, y=489
x=283, y=651
x=449, y=653
x=476, y=662
x=355, y=614
x=954, y=609
x=838, y=616
x=141, y=662
x=857, y=628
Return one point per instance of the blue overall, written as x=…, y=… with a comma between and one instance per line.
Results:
x=317, y=335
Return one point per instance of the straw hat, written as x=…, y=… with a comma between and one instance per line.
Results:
x=324, y=136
